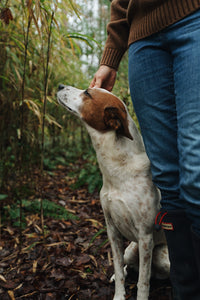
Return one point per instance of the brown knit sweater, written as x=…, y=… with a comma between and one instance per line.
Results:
x=132, y=20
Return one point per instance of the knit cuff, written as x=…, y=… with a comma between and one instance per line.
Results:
x=111, y=57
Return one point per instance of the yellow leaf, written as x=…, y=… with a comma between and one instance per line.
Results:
x=18, y=287
x=2, y=278
x=95, y=223
x=11, y=295
x=94, y=260
x=35, y=266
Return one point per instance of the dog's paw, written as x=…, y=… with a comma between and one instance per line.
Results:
x=112, y=279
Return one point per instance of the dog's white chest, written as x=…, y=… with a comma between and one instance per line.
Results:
x=122, y=216
x=130, y=206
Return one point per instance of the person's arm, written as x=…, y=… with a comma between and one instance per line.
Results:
x=115, y=47
x=118, y=33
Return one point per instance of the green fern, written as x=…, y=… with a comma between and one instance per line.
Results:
x=90, y=176
x=50, y=209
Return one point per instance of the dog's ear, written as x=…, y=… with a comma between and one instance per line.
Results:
x=116, y=120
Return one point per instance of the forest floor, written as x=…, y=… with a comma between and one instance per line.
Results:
x=71, y=260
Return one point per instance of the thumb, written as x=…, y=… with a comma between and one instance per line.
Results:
x=92, y=83
x=96, y=82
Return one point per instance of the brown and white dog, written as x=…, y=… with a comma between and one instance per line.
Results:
x=129, y=199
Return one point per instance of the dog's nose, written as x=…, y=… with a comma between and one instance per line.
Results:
x=61, y=87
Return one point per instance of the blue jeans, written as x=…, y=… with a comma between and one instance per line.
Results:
x=164, y=79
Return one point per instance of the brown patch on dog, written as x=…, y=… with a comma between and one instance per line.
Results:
x=104, y=111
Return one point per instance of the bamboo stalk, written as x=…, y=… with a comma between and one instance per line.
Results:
x=46, y=73
x=21, y=137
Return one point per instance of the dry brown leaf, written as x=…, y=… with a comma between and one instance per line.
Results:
x=2, y=278
x=64, y=261
x=56, y=244
x=35, y=263
x=11, y=295
x=18, y=287
x=9, y=230
x=109, y=258
x=83, y=259
x=94, y=260
x=95, y=223
x=37, y=228
x=6, y=15
x=56, y=265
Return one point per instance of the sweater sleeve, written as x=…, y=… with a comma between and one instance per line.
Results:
x=118, y=33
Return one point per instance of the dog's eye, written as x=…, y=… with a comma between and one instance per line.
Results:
x=87, y=93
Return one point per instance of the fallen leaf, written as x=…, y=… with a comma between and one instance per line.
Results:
x=11, y=295
x=64, y=261
x=57, y=274
x=2, y=278
x=83, y=259
x=94, y=260
x=63, y=264
x=95, y=223
x=35, y=266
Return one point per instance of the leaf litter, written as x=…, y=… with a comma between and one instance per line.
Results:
x=71, y=260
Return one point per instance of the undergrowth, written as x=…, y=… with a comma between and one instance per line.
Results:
x=86, y=174
x=82, y=167
x=11, y=212
x=89, y=174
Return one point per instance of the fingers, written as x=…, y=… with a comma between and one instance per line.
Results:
x=96, y=82
x=110, y=80
x=104, y=78
x=92, y=83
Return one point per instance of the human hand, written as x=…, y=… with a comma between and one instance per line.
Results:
x=104, y=78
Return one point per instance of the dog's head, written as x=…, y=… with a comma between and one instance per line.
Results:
x=97, y=107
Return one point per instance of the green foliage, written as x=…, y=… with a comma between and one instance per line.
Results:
x=43, y=44
x=33, y=62
x=89, y=175
x=51, y=163
x=51, y=209
x=102, y=230
x=3, y=196
x=11, y=213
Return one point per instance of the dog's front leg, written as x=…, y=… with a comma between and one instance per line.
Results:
x=116, y=241
x=145, y=258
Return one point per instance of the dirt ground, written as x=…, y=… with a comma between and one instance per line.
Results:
x=71, y=260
